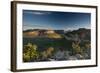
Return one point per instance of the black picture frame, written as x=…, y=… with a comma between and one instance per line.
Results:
x=14, y=34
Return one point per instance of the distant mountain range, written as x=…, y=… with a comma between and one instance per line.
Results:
x=43, y=30
x=81, y=33
x=56, y=33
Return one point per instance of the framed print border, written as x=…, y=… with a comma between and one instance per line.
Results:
x=14, y=35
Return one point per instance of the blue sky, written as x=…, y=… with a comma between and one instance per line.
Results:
x=33, y=19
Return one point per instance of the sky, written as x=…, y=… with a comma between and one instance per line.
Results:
x=33, y=19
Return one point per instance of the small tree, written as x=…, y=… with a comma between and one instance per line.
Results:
x=47, y=53
x=76, y=48
x=30, y=52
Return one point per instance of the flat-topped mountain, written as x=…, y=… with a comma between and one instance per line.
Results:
x=43, y=33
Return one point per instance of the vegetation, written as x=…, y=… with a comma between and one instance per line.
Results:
x=54, y=35
x=30, y=52
x=76, y=48
x=45, y=47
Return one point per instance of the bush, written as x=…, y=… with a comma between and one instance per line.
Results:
x=30, y=52
x=76, y=48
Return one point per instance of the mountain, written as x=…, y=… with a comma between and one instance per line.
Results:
x=43, y=33
x=81, y=33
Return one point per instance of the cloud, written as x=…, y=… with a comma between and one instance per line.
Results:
x=25, y=27
x=37, y=12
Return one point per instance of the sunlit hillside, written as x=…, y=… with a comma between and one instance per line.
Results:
x=54, y=35
x=42, y=33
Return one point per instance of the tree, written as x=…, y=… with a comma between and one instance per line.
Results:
x=47, y=53
x=30, y=52
x=76, y=48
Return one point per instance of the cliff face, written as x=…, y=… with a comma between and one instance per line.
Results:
x=43, y=33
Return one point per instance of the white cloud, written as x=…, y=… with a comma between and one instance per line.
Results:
x=25, y=27
x=37, y=12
